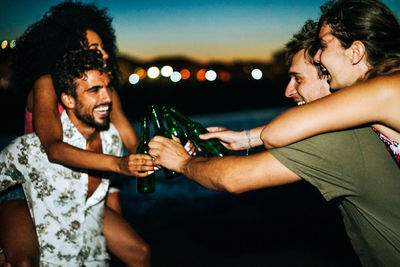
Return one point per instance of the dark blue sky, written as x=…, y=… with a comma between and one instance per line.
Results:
x=203, y=30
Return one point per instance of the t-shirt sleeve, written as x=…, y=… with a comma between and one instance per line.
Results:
x=327, y=161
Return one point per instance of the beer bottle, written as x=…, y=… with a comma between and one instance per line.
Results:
x=160, y=130
x=146, y=184
x=173, y=127
x=210, y=147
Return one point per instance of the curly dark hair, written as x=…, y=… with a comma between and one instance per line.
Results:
x=62, y=28
x=74, y=65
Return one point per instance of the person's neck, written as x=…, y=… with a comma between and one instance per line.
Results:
x=88, y=132
x=356, y=74
x=362, y=70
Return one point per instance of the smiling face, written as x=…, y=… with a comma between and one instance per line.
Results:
x=93, y=100
x=305, y=85
x=345, y=66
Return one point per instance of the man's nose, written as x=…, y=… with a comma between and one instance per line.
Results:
x=105, y=95
x=290, y=90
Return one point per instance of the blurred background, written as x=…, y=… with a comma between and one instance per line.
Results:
x=221, y=63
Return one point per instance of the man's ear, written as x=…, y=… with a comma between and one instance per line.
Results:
x=358, y=52
x=68, y=100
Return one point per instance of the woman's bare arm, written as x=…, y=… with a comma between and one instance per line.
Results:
x=374, y=101
x=234, y=140
x=47, y=125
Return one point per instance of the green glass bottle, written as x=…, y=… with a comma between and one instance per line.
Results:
x=146, y=184
x=160, y=130
x=172, y=126
x=210, y=147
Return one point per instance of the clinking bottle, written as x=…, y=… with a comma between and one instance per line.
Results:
x=160, y=130
x=146, y=184
x=173, y=127
x=211, y=147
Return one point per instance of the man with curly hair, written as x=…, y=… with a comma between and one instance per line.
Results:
x=68, y=25
x=67, y=204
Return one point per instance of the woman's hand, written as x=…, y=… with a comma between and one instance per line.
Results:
x=139, y=165
x=232, y=140
x=190, y=148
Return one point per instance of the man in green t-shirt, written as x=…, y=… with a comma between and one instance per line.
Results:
x=352, y=167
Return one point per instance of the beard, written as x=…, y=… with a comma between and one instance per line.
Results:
x=89, y=119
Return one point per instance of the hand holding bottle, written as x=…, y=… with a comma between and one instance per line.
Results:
x=177, y=131
x=139, y=165
x=160, y=130
x=190, y=148
x=193, y=129
x=168, y=153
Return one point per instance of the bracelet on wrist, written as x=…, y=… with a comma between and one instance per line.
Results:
x=248, y=142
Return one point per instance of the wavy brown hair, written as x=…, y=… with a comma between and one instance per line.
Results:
x=372, y=23
x=305, y=39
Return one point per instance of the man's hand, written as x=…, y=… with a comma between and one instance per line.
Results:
x=139, y=165
x=168, y=153
x=232, y=140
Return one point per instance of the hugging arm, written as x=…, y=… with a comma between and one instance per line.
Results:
x=47, y=125
x=373, y=101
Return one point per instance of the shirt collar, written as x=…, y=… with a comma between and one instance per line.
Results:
x=71, y=135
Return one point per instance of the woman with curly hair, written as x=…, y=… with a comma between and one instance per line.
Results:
x=68, y=26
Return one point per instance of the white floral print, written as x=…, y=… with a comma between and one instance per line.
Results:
x=69, y=227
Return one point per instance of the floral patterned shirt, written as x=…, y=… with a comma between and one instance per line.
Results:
x=69, y=226
x=392, y=146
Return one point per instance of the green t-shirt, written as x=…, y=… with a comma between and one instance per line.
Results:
x=354, y=167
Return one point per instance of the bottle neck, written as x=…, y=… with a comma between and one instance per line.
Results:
x=144, y=131
x=182, y=118
x=156, y=120
x=171, y=122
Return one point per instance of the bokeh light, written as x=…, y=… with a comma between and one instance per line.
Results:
x=256, y=74
x=211, y=75
x=175, y=76
x=185, y=74
x=13, y=43
x=141, y=72
x=166, y=71
x=201, y=75
x=134, y=78
x=224, y=75
x=153, y=72
x=4, y=44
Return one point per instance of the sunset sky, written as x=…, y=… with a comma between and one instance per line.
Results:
x=202, y=30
